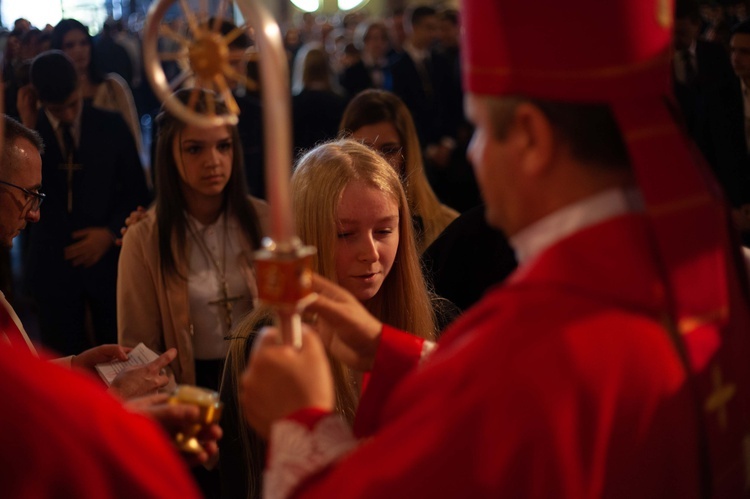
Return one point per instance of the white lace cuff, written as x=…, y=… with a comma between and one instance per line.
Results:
x=296, y=452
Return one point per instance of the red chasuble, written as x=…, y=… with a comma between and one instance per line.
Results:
x=563, y=382
x=61, y=436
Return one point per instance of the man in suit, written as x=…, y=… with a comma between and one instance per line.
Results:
x=710, y=101
x=371, y=71
x=422, y=78
x=93, y=178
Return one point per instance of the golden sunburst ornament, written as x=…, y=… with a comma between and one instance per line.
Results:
x=202, y=53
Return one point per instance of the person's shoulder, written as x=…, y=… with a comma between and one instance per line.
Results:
x=449, y=212
x=143, y=230
x=116, y=81
x=542, y=320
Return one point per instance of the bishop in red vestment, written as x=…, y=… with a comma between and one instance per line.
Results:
x=613, y=363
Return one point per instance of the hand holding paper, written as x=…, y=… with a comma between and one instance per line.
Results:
x=142, y=374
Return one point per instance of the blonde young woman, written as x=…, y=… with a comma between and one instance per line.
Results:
x=185, y=272
x=350, y=204
x=381, y=121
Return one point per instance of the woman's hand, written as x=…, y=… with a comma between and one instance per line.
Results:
x=281, y=380
x=135, y=216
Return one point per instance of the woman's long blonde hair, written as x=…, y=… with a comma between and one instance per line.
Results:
x=376, y=106
x=402, y=301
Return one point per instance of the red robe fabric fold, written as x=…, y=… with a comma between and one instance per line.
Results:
x=62, y=437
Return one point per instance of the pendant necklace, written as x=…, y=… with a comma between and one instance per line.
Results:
x=225, y=300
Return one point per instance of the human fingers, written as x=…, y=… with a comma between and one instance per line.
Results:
x=328, y=288
x=174, y=417
x=80, y=233
x=162, y=360
x=344, y=315
x=142, y=403
x=211, y=432
x=267, y=337
x=112, y=352
x=72, y=250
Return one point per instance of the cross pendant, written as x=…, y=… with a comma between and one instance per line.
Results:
x=228, y=302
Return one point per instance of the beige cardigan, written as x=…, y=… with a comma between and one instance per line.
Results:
x=152, y=307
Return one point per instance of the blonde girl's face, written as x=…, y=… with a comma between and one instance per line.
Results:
x=204, y=159
x=367, y=239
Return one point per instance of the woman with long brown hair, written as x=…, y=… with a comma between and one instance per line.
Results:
x=185, y=272
x=381, y=120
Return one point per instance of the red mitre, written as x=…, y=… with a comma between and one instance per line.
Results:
x=618, y=52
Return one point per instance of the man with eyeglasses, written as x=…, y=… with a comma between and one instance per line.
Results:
x=61, y=432
x=76, y=437
x=20, y=184
x=20, y=198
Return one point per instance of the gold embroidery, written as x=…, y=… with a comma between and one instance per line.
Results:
x=718, y=400
x=690, y=324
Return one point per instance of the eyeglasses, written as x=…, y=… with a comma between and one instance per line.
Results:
x=35, y=198
x=391, y=152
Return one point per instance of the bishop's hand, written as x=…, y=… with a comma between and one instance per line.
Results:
x=347, y=329
x=176, y=417
x=280, y=379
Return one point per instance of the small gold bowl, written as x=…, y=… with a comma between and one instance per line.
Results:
x=210, y=412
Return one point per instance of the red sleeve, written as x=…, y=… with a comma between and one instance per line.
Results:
x=398, y=353
x=309, y=416
x=65, y=435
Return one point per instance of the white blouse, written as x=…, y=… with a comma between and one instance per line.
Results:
x=224, y=241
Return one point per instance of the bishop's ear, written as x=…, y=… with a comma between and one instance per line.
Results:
x=534, y=137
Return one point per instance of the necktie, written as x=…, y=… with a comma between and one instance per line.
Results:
x=71, y=164
x=68, y=142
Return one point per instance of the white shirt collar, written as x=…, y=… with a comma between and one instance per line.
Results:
x=56, y=122
x=537, y=237
x=75, y=128
x=417, y=55
x=219, y=222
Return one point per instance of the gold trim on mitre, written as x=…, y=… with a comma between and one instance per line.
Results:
x=720, y=397
x=576, y=74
